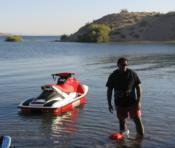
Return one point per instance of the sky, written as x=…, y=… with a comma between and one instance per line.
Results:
x=57, y=17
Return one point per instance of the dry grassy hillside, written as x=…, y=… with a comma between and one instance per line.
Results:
x=136, y=26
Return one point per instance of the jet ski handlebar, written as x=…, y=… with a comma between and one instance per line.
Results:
x=63, y=75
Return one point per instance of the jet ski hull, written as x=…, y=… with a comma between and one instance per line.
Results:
x=53, y=110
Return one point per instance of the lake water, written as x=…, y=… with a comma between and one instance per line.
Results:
x=25, y=66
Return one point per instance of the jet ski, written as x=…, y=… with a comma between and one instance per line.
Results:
x=57, y=98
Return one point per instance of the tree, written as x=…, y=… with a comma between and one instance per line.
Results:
x=96, y=33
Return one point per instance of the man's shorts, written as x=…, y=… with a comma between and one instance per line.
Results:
x=125, y=112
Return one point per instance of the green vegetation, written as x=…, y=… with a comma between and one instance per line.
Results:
x=143, y=23
x=13, y=38
x=95, y=33
x=63, y=37
x=123, y=36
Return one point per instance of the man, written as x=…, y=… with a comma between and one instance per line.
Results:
x=127, y=96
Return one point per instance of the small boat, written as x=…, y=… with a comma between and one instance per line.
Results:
x=57, y=98
x=5, y=141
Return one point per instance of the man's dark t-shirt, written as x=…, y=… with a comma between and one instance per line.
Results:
x=124, y=84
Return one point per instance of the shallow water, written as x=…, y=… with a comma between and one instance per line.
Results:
x=27, y=65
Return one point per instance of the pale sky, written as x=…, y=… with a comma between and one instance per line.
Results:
x=57, y=17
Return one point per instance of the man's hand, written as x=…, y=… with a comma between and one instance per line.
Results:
x=110, y=107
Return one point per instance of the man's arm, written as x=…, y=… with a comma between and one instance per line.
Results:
x=139, y=94
x=109, y=98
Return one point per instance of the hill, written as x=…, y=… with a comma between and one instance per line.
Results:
x=134, y=26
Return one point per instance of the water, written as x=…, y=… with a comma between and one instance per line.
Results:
x=27, y=65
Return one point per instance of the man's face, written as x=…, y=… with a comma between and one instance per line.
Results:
x=123, y=66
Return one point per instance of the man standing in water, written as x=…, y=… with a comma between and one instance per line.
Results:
x=127, y=96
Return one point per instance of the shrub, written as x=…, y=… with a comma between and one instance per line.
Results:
x=136, y=36
x=124, y=11
x=96, y=33
x=123, y=36
x=13, y=38
x=143, y=24
x=63, y=37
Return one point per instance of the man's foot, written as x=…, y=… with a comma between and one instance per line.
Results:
x=125, y=133
x=139, y=136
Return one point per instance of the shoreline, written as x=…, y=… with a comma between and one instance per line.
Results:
x=144, y=42
x=127, y=42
